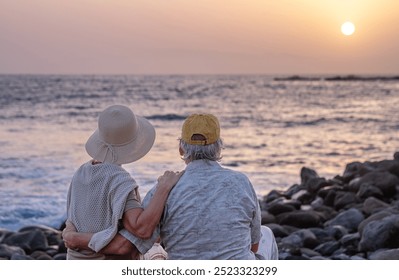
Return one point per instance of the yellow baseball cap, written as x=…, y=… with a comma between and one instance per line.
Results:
x=206, y=125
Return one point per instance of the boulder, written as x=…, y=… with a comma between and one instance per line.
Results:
x=380, y=234
x=299, y=219
x=350, y=219
x=28, y=240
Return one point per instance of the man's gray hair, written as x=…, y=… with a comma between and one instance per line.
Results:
x=194, y=152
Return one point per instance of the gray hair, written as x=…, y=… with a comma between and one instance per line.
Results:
x=194, y=152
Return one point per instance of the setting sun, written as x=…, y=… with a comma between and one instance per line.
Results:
x=347, y=28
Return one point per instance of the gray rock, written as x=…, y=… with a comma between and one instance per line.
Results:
x=392, y=254
x=340, y=256
x=6, y=251
x=354, y=170
x=336, y=231
x=300, y=219
x=380, y=234
x=53, y=236
x=383, y=180
x=309, y=253
x=328, y=248
x=272, y=195
x=267, y=218
x=349, y=219
x=299, y=238
x=17, y=256
x=40, y=255
x=345, y=200
x=367, y=190
x=28, y=240
x=372, y=205
x=278, y=208
x=375, y=217
x=307, y=174
x=313, y=185
x=60, y=256
x=351, y=239
x=278, y=230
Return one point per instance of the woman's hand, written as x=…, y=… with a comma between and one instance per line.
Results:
x=169, y=179
x=68, y=235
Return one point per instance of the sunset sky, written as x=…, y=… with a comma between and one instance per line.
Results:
x=198, y=37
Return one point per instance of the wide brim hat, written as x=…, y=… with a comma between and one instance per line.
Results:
x=121, y=137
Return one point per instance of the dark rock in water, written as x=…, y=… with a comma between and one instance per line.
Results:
x=278, y=208
x=6, y=251
x=307, y=174
x=353, y=170
x=375, y=217
x=368, y=190
x=372, y=205
x=383, y=180
x=267, y=218
x=60, y=256
x=392, y=254
x=351, y=239
x=322, y=235
x=272, y=195
x=329, y=196
x=309, y=253
x=40, y=255
x=304, y=197
x=337, y=231
x=392, y=166
x=350, y=219
x=53, y=236
x=313, y=185
x=380, y=234
x=326, y=213
x=300, y=219
x=21, y=257
x=293, y=190
x=4, y=233
x=28, y=240
x=278, y=230
x=300, y=238
x=345, y=200
x=327, y=248
x=340, y=256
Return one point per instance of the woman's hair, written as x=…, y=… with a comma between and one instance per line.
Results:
x=194, y=152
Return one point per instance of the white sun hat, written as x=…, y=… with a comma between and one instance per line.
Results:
x=121, y=136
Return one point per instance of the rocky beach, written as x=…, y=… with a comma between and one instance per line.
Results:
x=353, y=216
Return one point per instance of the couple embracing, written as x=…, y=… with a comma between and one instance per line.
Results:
x=204, y=212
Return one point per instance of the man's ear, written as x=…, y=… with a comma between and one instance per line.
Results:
x=181, y=151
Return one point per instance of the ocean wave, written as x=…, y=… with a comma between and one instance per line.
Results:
x=323, y=120
x=349, y=78
x=167, y=117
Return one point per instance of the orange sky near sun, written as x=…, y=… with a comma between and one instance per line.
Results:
x=198, y=37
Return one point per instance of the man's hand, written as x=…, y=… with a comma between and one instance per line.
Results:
x=75, y=240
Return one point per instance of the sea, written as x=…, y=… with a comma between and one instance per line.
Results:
x=272, y=126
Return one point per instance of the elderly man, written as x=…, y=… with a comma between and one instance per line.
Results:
x=212, y=212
